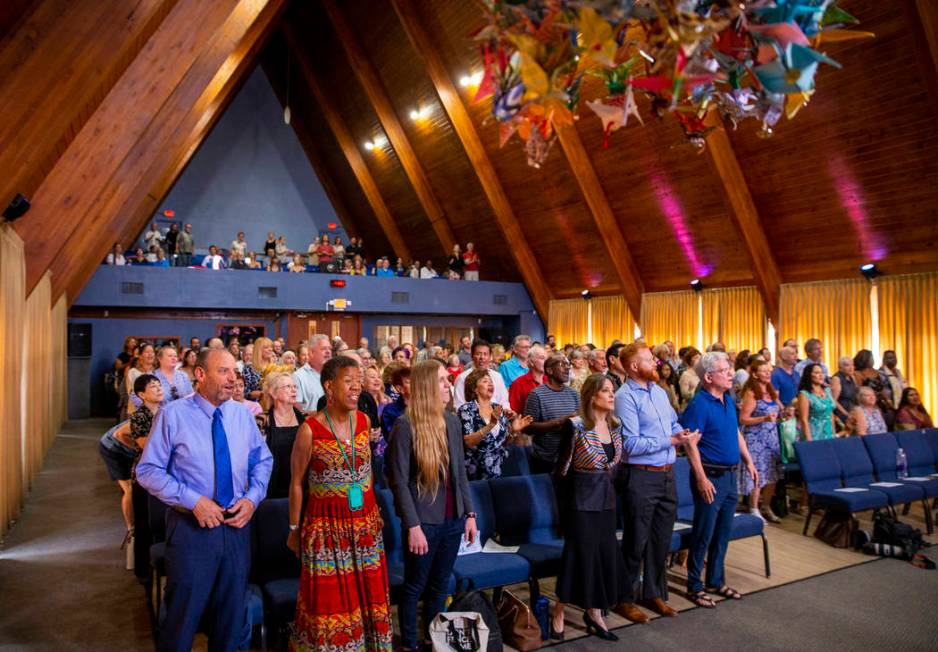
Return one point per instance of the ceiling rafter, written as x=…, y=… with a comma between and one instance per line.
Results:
x=348, y=146
x=459, y=117
x=378, y=96
x=582, y=169
x=765, y=270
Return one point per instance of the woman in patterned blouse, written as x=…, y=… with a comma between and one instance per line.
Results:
x=487, y=427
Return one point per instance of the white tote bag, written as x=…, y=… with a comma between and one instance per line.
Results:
x=459, y=631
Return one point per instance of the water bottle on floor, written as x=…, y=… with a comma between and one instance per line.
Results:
x=902, y=465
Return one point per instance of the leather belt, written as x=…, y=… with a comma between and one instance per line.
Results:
x=648, y=467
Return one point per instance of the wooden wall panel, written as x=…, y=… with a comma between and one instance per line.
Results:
x=11, y=12
x=163, y=149
x=57, y=67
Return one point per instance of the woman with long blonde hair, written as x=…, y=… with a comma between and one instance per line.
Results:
x=431, y=492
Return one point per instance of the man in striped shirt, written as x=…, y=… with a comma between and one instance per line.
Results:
x=551, y=405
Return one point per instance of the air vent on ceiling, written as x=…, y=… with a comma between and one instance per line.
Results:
x=400, y=297
x=130, y=287
x=500, y=299
x=265, y=292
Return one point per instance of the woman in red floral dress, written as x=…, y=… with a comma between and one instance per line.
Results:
x=343, y=602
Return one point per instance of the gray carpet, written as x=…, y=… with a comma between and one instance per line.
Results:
x=883, y=605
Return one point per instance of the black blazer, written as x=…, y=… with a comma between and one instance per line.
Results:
x=402, y=473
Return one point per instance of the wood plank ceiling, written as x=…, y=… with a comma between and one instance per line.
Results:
x=853, y=178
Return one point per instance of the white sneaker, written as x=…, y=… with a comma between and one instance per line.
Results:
x=755, y=512
x=769, y=515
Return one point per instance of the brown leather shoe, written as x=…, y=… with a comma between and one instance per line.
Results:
x=630, y=611
x=660, y=607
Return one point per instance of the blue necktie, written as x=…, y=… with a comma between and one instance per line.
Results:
x=224, y=492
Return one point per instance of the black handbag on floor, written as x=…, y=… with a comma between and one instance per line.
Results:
x=469, y=599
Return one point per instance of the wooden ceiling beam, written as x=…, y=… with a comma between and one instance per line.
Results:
x=585, y=174
x=58, y=65
x=765, y=270
x=348, y=145
x=515, y=241
x=368, y=77
x=221, y=52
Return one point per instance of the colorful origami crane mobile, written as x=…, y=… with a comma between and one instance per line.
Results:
x=750, y=59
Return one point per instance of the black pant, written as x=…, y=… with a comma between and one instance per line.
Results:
x=540, y=466
x=649, y=506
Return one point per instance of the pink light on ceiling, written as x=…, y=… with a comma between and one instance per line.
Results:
x=673, y=212
x=851, y=197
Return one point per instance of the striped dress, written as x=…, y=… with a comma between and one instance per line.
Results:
x=343, y=603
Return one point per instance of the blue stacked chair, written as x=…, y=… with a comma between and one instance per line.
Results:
x=517, y=461
x=822, y=475
x=391, y=533
x=744, y=525
x=488, y=570
x=526, y=515
x=857, y=471
x=275, y=569
x=931, y=436
x=882, y=449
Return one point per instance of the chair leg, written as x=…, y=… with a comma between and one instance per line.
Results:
x=263, y=637
x=807, y=520
x=534, y=588
x=929, y=517
x=765, y=553
x=906, y=508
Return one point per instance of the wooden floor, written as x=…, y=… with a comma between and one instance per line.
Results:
x=793, y=557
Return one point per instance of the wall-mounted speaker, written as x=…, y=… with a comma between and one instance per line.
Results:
x=16, y=209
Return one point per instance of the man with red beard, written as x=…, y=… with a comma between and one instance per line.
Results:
x=650, y=433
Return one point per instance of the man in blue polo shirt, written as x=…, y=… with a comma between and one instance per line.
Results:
x=714, y=461
x=650, y=432
x=784, y=377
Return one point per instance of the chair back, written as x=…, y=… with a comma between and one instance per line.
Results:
x=273, y=560
x=517, y=461
x=156, y=517
x=882, y=450
x=391, y=531
x=485, y=512
x=820, y=467
x=855, y=464
x=931, y=436
x=525, y=509
x=919, y=454
x=685, y=496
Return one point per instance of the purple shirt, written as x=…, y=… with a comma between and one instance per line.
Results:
x=178, y=463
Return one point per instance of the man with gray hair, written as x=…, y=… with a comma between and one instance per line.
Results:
x=525, y=384
x=308, y=386
x=596, y=360
x=784, y=377
x=517, y=366
x=814, y=349
x=714, y=461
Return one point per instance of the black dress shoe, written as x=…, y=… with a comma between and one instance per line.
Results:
x=555, y=635
x=593, y=628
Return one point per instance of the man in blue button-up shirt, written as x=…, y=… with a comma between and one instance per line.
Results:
x=208, y=546
x=650, y=432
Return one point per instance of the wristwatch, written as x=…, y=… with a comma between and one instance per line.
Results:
x=294, y=528
x=471, y=515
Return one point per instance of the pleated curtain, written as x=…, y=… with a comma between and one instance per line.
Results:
x=38, y=422
x=612, y=320
x=669, y=316
x=835, y=312
x=60, y=362
x=12, y=309
x=568, y=321
x=908, y=325
x=734, y=316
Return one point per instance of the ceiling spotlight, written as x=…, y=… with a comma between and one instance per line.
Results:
x=696, y=285
x=470, y=80
x=369, y=145
x=586, y=294
x=869, y=271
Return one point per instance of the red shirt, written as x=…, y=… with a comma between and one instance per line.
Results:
x=519, y=390
x=454, y=373
x=471, y=260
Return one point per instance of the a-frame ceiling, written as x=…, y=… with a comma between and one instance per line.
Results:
x=853, y=178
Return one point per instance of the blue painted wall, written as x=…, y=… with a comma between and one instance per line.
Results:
x=251, y=174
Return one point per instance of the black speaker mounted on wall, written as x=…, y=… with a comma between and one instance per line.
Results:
x=16, y=209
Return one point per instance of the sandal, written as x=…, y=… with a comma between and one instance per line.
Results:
x=701, y=599
x=726, y=592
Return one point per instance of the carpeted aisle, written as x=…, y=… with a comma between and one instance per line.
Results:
x=883, y=605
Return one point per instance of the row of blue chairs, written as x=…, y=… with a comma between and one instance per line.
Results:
x=856, y=474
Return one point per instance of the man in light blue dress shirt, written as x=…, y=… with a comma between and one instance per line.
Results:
x=650, y=433
x=206, y=459
x=517, y=365
x=308, y=385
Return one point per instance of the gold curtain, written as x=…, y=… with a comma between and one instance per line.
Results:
x=670, y=316
x=12, y=308
x=60, y=362
x=835, y=312
x=37, y=423
x=908, y=325
x=568, y=321
x=734, y=316
x=611, y=321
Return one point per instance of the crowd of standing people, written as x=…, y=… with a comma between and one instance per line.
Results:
x=212, y=431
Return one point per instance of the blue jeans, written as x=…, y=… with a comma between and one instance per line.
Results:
x=711, y=535
x=428, y=575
